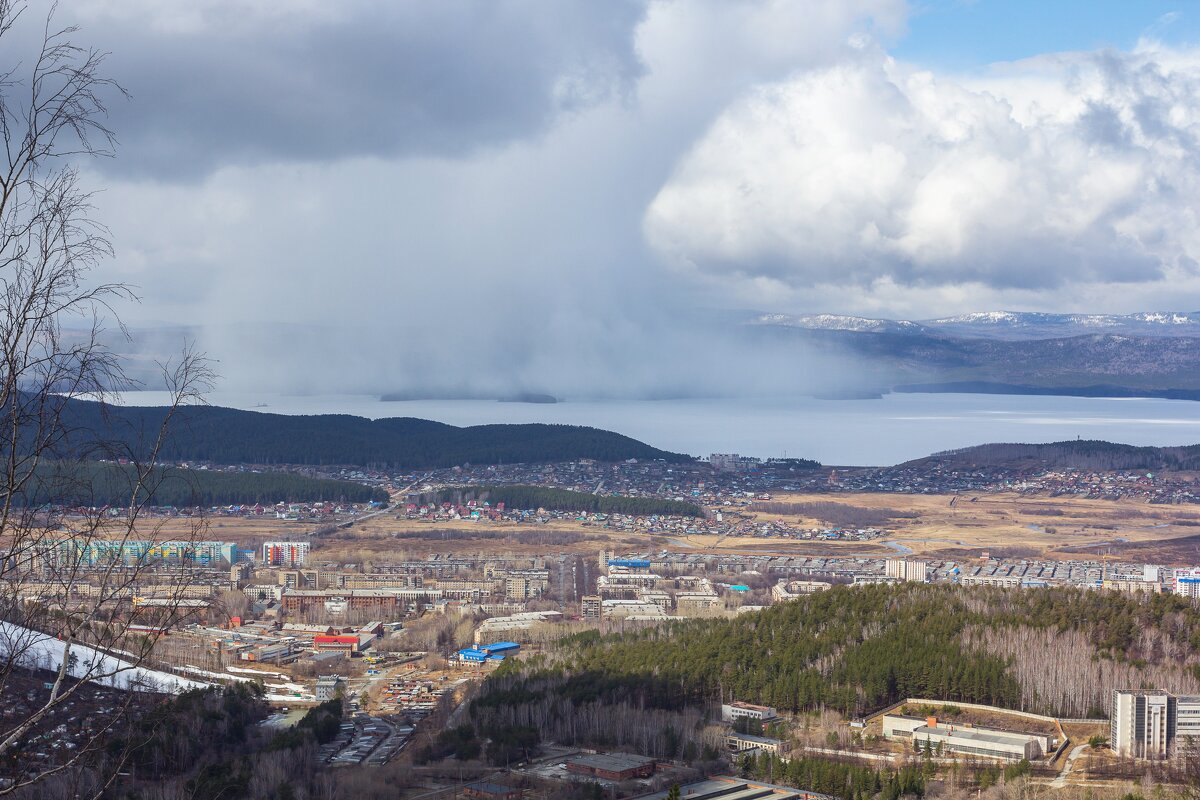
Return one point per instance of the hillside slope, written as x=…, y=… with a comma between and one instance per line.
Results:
x=230, y=436
x=1079, y=454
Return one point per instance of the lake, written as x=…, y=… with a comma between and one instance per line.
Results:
x=895, y=428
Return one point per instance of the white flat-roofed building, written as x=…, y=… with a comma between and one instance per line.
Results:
x=966, y=739
x=725, y=787
x=731, y=712
x=513, y=626
x=789, y=590
x=626, y=608
x=1009, y=581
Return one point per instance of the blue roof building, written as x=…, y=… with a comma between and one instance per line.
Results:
x=630, y=563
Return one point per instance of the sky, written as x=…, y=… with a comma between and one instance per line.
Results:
x=586, y=197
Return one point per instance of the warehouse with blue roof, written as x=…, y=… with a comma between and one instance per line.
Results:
x=486, y=653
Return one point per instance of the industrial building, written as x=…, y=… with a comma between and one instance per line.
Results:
x=1147, y=724
x=632, y=608
x=516, y=627
x=745, y=742
x=724, y=787
x=611, y=766
x=348, y=643
x=967, y=739
x=491, y=791
x=488, y=653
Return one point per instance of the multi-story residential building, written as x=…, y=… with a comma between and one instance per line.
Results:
x=303, y=578
x=468, y=589
x=383, y=580
x=592, y=606
x=328, y=687
x=72, y=553
x=1132, y=585
x=516, y=589
x=384, y=601
x=1187, y=582
x=285, y=554
x=906, y=569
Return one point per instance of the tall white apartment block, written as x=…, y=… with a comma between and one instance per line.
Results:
x=905, y=569
x=1187, y=582
x=1148, y=724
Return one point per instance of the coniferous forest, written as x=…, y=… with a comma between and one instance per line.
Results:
x=106, y=484
x=230, y=436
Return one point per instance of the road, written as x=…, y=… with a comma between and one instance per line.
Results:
x=398, y=494
x=1061, y=781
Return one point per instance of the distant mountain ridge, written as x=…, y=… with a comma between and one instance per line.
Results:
x=1080, y=454
x=1004, y=324
x=1147, y=354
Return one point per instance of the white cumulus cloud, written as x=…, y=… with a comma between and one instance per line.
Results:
x=1077, y=169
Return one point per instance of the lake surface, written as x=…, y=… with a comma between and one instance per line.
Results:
x=895, y=428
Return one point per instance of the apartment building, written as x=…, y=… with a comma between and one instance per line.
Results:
x=904, y=569
x=1187, y=583
x=285, y=554
x=592, y=606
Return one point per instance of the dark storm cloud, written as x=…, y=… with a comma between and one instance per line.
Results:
x=364, y=79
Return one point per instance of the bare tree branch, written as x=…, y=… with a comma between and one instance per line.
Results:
x=71, y=571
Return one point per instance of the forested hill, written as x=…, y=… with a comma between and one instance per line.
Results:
x=1081, y=454
x=857, y=649
x=231, y=436
x=95, y=484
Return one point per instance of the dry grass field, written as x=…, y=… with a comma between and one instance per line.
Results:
x=387, y=537
x=1015, y=525
x=937, y=526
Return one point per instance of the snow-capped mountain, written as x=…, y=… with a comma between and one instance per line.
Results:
x=836, y=322
x=1004, y=324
